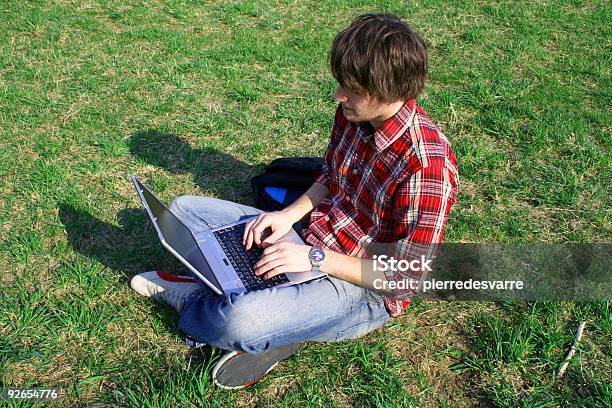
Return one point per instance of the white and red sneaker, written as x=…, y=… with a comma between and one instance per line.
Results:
x=165, y=287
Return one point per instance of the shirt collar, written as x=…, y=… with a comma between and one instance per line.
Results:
x=391, y=129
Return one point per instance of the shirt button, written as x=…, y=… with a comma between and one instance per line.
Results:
x=327, y=218
x=355, y=171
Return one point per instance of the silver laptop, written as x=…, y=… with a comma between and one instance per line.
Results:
x=216, y=257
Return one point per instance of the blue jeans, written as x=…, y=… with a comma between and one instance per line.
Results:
x=327, y=309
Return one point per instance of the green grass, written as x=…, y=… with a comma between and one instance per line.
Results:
x=196, y=97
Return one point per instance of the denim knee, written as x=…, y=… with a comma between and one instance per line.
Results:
x=223, y=324
x=246, y=330
x=199, y=213
x=181, y=203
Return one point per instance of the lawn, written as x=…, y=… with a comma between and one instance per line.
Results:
x=196, y=97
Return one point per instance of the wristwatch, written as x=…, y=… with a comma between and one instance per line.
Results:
x=316, y=256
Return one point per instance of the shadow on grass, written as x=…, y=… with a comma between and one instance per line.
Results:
x=127, y=249
x=130, y=248
x=133, y=247
x=212, y=170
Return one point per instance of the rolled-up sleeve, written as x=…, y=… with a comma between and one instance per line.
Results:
x=422, y=206
x=324, y=176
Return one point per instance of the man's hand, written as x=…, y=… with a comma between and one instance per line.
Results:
x=283, y=257
x=278, y=222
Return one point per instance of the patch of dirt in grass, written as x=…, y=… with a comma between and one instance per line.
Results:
x=57, y=371
x=510, y=376
x=554, y=223
x=430, y=341
x=468, y=187
x=276, y=386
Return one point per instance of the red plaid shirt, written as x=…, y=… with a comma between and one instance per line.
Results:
x=393, y=185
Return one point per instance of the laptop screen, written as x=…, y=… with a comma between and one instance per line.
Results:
x=176, y=234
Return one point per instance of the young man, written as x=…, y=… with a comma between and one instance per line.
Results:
x=390, y=177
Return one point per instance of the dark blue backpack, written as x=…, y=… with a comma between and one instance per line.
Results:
x=284, y=181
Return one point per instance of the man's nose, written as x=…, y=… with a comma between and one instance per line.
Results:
x=340, y=96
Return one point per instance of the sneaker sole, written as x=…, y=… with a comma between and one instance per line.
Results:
x=240, y=370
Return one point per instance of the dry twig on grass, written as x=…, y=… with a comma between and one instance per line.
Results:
x=572, y=350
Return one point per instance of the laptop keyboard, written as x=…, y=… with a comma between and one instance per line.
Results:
x=242, y=260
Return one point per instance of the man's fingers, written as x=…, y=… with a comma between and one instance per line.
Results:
x=266, y=259
x=259, y=228
x=247, y=238
x=276, y=271
x=247, y=229
x=269, y=265
x=255, y=231
x=273, y=237
x=271, y=249
x=249, y=241
x=252, y=235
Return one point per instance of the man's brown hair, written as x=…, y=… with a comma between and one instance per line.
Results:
x=380, y=54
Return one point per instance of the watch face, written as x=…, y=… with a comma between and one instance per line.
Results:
x=317, y=255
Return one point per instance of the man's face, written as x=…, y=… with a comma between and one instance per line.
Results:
x=358, y=107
